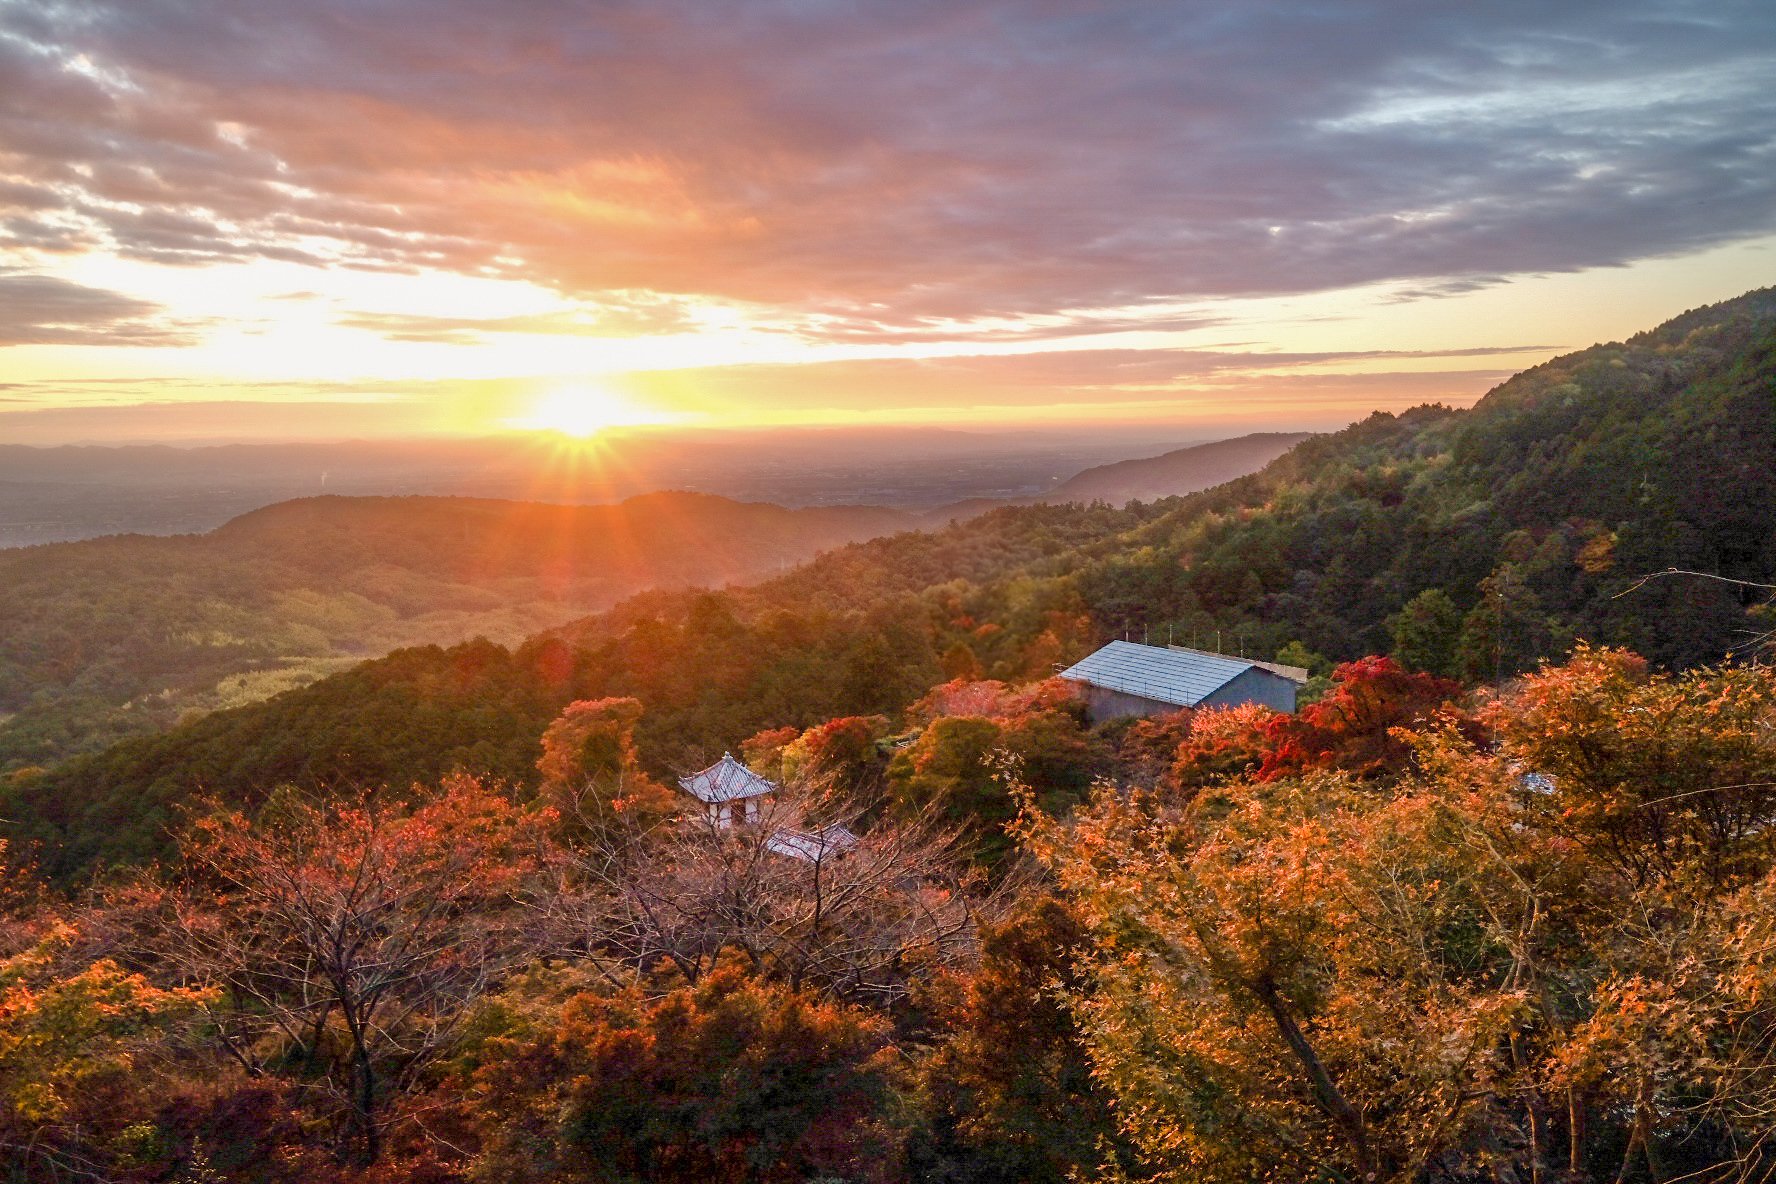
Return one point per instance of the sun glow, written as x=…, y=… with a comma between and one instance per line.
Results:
x=584, y=410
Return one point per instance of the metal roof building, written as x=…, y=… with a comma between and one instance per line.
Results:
x=811, y=846
x=1126, y=678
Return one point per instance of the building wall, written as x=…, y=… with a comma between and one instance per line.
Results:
x=1256, y=685
x=1101, y=704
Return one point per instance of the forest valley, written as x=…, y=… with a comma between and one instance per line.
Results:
x=1497, y=903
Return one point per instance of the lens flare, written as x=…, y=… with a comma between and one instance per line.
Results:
x=584, y=410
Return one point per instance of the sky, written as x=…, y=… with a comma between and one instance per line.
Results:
x=257, y=219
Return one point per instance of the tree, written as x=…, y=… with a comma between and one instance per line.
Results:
x=359, y=927
x=843, y=753
x=1010, y=1087
x=804, y=891
x=961, y=762
x=68, y=1042
x=1504, y=632
x=734, y=1079
x=951, y=768
x=1546, y=956
x=959, y=661
x=1356, y=726
x=1425, y=633
x=1275, y=992
x=1663, y=777
x=1221, y=743
x=593, y=777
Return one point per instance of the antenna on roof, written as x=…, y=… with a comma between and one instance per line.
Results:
x=1217, y=641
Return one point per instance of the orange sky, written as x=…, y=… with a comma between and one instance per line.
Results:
x=341, y=218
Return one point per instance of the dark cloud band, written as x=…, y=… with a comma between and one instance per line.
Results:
x=45, y=310
x=888, y=169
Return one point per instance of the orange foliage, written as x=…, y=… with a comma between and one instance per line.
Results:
x=592, y=774
x=991, y=699
x=733, y=1079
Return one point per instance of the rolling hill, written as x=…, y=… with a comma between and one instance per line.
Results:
x=111, y=636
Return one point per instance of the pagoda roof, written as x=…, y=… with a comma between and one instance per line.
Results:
x=727, y=780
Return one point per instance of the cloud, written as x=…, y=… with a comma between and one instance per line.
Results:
x=46, y=310
x=894, y=170
x=610, y=321
x=864, y=331
x=214, y=420
x=1042, y=383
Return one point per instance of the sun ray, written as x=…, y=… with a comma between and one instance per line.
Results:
x=583, y=410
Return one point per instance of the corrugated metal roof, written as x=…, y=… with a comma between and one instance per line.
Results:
x=1183, y=677
x=727, y=780
x=809, y=846
x=1295, y=674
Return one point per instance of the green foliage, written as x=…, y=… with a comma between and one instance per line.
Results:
x=1426, y=630
x=1531, y=513
x=965, y=765
x=1296, y=654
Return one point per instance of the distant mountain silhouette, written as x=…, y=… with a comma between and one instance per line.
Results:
x=1174, y=474
x=112, y=636
x=656, y=539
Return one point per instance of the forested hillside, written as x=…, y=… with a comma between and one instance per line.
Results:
x=441, y=919
x=107, y=637
x=1523, y=522
x=1470, y=544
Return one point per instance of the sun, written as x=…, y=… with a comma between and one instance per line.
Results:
x=584, y=410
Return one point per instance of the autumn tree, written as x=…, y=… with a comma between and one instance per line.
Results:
x=735, y=1079
x=347, y=940
x=1660, y=776
x=1275, y=992
x=1355, y=726
x=804, y=890
x=1009, y=1086
x=843, y=753
x=593, y=777
x=71, y=1040
x=1219, y=743
x=1543, y=953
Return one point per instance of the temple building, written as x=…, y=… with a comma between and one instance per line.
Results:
x=729, y=791
x=733, y=793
